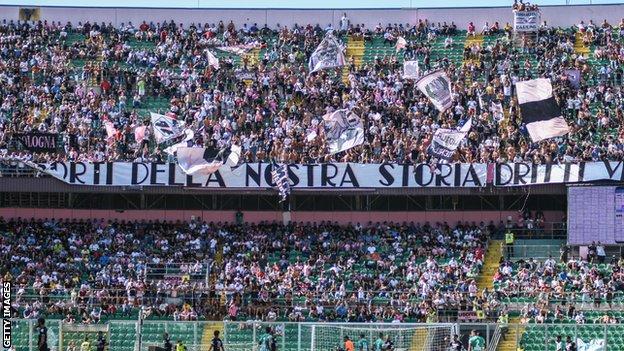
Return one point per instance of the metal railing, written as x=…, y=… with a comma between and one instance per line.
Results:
x=290, y=336
x=542, y=252
x=249, y=300
x=184, y=271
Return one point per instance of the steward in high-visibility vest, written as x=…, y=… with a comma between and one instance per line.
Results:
x=509, y=242
x=509, y=238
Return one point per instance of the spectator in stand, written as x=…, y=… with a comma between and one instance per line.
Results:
x=91, y=270
x=105, y=84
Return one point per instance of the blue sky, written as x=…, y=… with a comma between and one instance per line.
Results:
x=288, y=3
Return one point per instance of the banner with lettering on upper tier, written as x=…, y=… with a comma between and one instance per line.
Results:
x=38, y=142
x=526, y=21
x=334, y=175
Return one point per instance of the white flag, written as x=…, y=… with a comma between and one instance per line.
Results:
x=437, y=87
x=467, y=126
x=401, y=43
x=239, y=49
x=328, y=54
x=411, y=70
x=165, y=127
x=343, y=130
x=213, y=61
x=188, y=137
x=200, y=160
x=446, y=141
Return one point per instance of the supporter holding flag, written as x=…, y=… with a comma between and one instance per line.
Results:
x=348, y=344
x=266, y=340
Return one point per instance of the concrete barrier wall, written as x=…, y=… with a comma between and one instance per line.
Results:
x=343, y=217
x=554, y=15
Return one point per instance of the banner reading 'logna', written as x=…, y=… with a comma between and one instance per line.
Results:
x=335, y=175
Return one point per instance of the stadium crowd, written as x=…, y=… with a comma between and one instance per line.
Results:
x=91, y=270
x=272, y=115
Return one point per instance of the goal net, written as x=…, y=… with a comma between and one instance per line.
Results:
x=326, y=337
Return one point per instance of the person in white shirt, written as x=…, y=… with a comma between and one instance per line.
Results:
x=448, y=42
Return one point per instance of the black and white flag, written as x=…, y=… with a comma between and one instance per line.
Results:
x=446, y=141
x=187, y=141
x=328, y=54
x=207, y=160
x=279, y=175
x=165, y=127
x=437, y=87
x=539, y=109
x=343, y=130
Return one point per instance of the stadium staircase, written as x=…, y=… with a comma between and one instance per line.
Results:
x=472, y=61
x=209, y=330
x=490, y=264
x=355, y=52
x=418, y=341
x=579, y=46
x=508, y=343
x=471, y=40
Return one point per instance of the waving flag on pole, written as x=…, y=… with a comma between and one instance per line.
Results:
x=445, y=141
x=165, y=127
x=200, y=160
x=186, y=142
x=437, y=87
x=279, y=175
x=539, y=110
x=343, y=130
x=327, y=55
x=213, y=61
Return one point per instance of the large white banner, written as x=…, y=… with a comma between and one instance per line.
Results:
x=335, y=175
x=258, y=175
x=518, y=174
x=526, y=21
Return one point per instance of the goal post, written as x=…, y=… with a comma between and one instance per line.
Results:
x=314, y=336
x=404, y=337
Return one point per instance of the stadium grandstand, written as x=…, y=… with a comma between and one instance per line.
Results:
x=203, y=176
